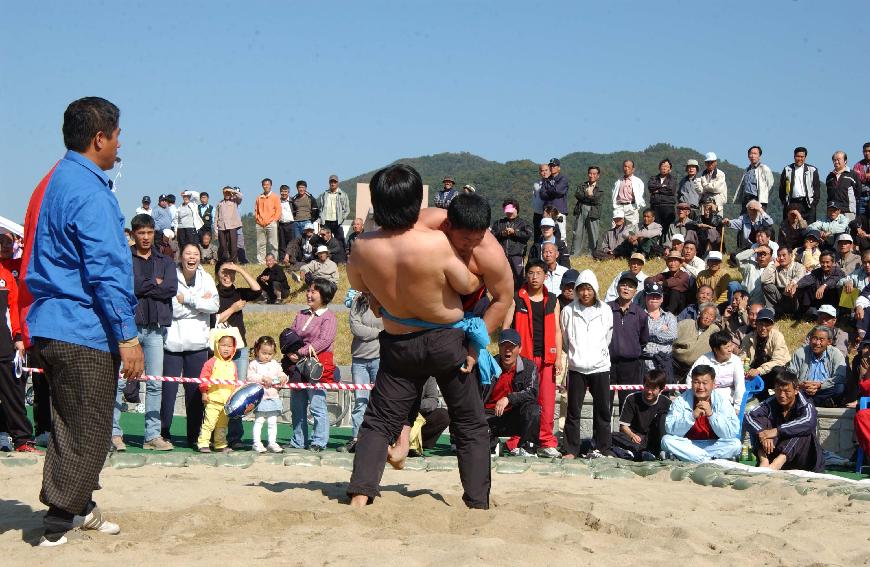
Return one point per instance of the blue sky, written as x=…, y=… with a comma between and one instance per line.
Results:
x=216, y=93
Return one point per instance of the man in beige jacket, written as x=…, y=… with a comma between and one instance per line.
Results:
x=764, y=349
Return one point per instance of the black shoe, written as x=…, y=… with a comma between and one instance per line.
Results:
x=316, y=449
x=238, y=446
x=348, y=447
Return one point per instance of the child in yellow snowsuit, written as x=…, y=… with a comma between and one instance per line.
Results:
x=214, y=396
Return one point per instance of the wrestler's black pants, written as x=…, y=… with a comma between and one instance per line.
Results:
x=407, y=361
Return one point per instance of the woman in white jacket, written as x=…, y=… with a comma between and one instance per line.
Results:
x=186, y=348
x=587, y=325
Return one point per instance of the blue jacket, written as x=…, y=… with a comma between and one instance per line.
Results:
x=554, y=191
x=723, y=421
x=162, y=220
x=77, y=271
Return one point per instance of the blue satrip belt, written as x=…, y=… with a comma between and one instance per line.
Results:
x=476, y=333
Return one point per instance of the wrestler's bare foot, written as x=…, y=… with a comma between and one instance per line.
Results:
x=398, y=452
x=359, y=501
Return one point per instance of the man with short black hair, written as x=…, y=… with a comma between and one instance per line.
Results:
x=843, y=185
x=206, y=214
x=663, y=194
x=587, y=211
x=820, y=286
x=286, y=224
x=756, y=181
x=305, y=208
x=628, y=193
x=779, y=281
x=334, y=208
x=162, y=216
x=267, y=211
x=799, y=186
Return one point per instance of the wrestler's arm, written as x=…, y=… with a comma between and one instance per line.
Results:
x=354, y=277
x=459, y=277
x=497, y=275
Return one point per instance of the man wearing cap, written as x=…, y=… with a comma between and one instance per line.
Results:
x=334, y=208
x=320, y=267
x=267, y=212
x=756, y=181
x=681, y=225
x=810, y=253
x=835, y=223
x=843, y=185
x=846, y=257
x=566, y=288
x=715, y=277
x=445, y=195
x=302, y=250
x=827, y=317
x=690, y=190
x=676, y=245
x=821, y=368
x=748, y=223
x=554, y=192
x=820, y=286
x=663, y=194
x=513, y=233
x=611, y=241
x=587, y=211
x=187, y=220
x=779, y=281
x=145, y=209
x=713, y=181
x=799, y=186
x=511, y=402
x=162, y=216
x=273, y=280
x=676, y=283
x=286, y=226
x=228, y=222
x=764, y=349
x=305, y=208
x=628, y=193
x=630, y=334
x=548, y=236
x=635, y=267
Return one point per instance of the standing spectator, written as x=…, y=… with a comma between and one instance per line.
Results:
x=513, y=233
x=612, y=240
x=764, y=349
x=333, y=244
x=820, y=285
x=821, y=369
x=566, y=291
x=663, y=194
x=538, y=201
x=187, y=340
x=662, y=332
x=286, y=226
x=173, y=210
x=587, y=326
x=676, y=284
x=365, y=351
x=535, y=316
x=273, y=281
x=155, y=283
x=511, y=402
x=799, y=186
x=334, y=208
x=693, y=338
x=208, y=250
x=861, y=169
x=145, y=209
x=628, y=193
x=713, y=181
x=316, y=326
x=690, y=188
x=305, y=208
x=630, y=335
x=162, y=216
x=214, y=396
x=355, y=230
x=554, y=192
x=791, y=231
x=587, y=211
x=267, y=211
x=727, y=366
x=843, y=185
x=206, y=215
x=779, y=282
x=78, y=306
x=187, y=220
x=231, y=303
x=756, y=181
x=447, y=193
x=228, y=223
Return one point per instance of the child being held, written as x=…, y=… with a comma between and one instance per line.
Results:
x=267, y=371
x=214, y=396
x=642, y=420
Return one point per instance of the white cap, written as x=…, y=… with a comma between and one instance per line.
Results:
x=710, y=156
x=309, y=226
x=618, y=212
x=547, y=221
x=322, y=248
x=167, y=232
x=679, y=237
x=845, y=238
x=827, y=310
x=714, y=255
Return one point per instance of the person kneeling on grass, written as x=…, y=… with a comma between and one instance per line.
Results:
x=641, y=420
x=701, y=424
x=783, y=428
x=214, y=396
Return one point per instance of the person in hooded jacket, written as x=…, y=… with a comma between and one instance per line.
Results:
x=587, y=326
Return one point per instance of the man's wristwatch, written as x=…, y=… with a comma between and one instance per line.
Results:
x=129, y=343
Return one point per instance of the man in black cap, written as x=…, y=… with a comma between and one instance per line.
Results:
x=443, y=197
x=630, y=335
x=554, y=192
x=511, y=402
x=145, y=209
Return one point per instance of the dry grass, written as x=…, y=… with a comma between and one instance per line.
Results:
x=297, y=291
x=259, y=324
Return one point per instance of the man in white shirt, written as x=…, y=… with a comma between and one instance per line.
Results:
x=555, y=271
x=145, y=209
x=286, y=226
x=628, y=193
x=799, y=184
x=691, y=262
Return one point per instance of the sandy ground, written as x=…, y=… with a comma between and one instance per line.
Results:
x=294, y=515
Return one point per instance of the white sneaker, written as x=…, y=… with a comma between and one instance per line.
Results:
x=520, y=452
x=275, y=448
x=94, y=521
x=48, y=543
x=258, y=447
x=549, y=453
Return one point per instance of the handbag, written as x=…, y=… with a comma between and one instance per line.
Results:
x=310, y=367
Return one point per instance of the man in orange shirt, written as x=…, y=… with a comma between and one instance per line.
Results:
x=267, y=212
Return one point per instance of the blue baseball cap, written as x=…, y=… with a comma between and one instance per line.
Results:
x=509, y=336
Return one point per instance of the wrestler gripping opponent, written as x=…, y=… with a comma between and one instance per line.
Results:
x=414, y=273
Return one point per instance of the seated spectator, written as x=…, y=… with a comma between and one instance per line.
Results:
x=860, y=231
x=708, y=226
x=273, y=280
x=208, y=249
x=701, y=423
x=782, y=429
x=612, y=240
x=300, y=251
x=715, y=277
x=356, y=229
x=862, y=417
x=835, y=224
x=827, y=316
x=681, y=225
x=642, y=420
x=635, y=268
x=693, y=338
x=819, y=286
x=855, y=284
x=511, y=402
x=749, y=223
x=779, y=282
x=676, y=245
x=821, y=369
x=548, y=235
x=691, y=262
x=727, y=366
x=734, y=315
x=662, y=331
x=762, y=238
x=809, y=254
x=676, y=283
x=645, y=238
x=846, y=258
x=738, y=334
x=320, y=267
x=336, y=249
x=791, y=232
x=752, y=269
x=702, y=296
x=555, y=270
x=763, y=350
x=566, y=288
